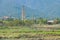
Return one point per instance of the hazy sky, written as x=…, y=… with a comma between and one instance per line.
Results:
x=35, y=4
x=40, y=3
x=44, y=6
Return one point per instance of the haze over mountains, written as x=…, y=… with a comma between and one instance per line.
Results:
x=40, y=8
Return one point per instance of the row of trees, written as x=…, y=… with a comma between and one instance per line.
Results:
x=17, y=22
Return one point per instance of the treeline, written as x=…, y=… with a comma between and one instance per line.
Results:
x=18, y=22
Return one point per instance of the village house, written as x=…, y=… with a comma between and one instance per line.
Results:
x=52, y=22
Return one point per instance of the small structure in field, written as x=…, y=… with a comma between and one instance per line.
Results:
x=50, y=21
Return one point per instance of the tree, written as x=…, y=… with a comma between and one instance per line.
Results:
x=41, y=21
x=28, y=22
x=58, y=20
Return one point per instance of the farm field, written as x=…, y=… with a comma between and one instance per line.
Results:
x=33, y=32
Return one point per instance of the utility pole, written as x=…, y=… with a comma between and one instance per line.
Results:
x=23, y=13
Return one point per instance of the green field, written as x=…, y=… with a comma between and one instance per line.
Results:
x=25, y=32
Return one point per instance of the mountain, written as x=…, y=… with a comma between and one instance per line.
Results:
x=40, y=8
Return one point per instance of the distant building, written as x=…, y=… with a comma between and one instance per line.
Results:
x=5, y=17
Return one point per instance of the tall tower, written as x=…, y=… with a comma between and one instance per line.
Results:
x=23, y=13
